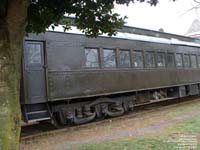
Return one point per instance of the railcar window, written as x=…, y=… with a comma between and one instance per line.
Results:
x=198, y=57
x=160, y=59
x=92, y=59
x=109, y=58
x=186, y=60
x=138, y=59
x=193, y=61
x=33, y=54
x=149, y=59
x=179, y=60
x=124, y=58
x=170, y=60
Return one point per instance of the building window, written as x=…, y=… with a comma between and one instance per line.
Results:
x=149, y=59
x=193, y=61
x=109, y=58
x=33, y=54
x=186, y=60
x=170, y=60
x=179, y=60
x=138, y=59
x=92, y=58
x=124, y=58
x=160, y=59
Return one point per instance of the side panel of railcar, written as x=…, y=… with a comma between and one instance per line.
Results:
x=91, y=83
x=68, y=78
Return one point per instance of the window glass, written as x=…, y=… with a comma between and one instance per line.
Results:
x=160, y=58
x=92, y=59
x=109, y=58
x=149, y=59
x=186, y=60
x=198, y=57
x=193, y=61
x=137, y=59
x=179, y=60
x=124, y=58
x=33, y=53
x=170, y=60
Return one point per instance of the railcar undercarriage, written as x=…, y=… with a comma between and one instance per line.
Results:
x=87, y=111
x=79, y=111
x=101, y=107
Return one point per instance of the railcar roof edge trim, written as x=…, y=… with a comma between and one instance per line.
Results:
x=130, y=36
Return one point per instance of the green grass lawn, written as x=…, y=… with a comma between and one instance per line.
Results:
x=184, y=136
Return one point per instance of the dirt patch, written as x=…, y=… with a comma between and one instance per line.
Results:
x=129, y=132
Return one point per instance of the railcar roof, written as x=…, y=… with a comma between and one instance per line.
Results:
x=136, y=37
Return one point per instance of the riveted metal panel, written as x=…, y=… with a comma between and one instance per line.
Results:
x=84, y=84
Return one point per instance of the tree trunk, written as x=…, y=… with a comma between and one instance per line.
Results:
x=9, y=97
x=12, y=29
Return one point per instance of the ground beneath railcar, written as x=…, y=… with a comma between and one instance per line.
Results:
x=170, y=127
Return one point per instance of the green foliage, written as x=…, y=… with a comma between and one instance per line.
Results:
x=93, y=17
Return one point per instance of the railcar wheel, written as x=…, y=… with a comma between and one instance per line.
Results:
x=99, y=109
x=83, y=120
x=81, y=115
x=115, y=110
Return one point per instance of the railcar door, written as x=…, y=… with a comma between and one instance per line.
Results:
x=34, y=72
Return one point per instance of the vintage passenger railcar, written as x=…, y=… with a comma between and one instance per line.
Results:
x=71, y=78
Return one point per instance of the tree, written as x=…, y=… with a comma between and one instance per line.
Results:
x=17, y=17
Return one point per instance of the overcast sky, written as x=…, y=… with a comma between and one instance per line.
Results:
x=173, y=17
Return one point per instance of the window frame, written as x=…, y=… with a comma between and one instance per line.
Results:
x=98, y=56
x=26, y=54
x=102, y=58
x=184, y=60
x=142, y=55
x=198, y=61
x=174, y=61
x=195, y=59
x=118, y=58
x=181, y=54
x=154, y=60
